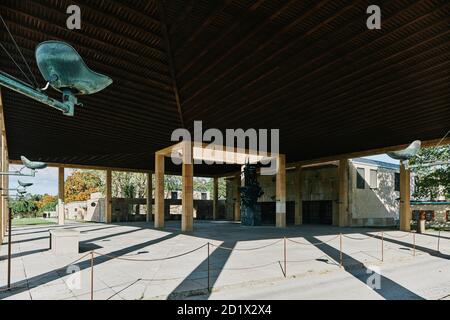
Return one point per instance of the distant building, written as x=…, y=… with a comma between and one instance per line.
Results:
x=373, y=194
x=89, y=210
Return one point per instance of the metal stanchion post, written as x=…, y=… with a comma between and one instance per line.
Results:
x=9, y=247
x=382, y=246
x=439, y=240
x=92, y=275
x=340, y=249
x=285, y=270
x=414, y=244
x=209, y=283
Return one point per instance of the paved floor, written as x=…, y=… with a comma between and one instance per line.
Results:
x=134, y=261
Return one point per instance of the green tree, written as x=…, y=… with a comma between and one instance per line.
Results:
x=80, y=184
x=171, y=183
x=129, y=184
x=24, y=206
x=47, y=203
x=207, y=185
x=431, y=180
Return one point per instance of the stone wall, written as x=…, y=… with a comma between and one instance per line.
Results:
x=441, y=211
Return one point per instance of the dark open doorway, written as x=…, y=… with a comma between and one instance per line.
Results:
x=318, y=212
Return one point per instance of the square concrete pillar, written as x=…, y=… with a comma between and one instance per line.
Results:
x=280, y=195
x=108, y=197
x=343, y=193
x=4, y=181
x=187, y=200
x=3, y=213
x=405, y=199
x=237, y=195
x=215, y=197
x=298, y=196
x=61, y=197
x=149, y=197
x=159, y=191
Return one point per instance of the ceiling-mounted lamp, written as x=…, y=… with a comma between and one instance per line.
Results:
x=405, y=154
x=63, y=69
x=27, y=164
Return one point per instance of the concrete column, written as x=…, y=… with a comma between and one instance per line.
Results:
x=108, y=197
x=215, y=197
x=159, y=191
x=149, y=197
x=237, y=193
x=405, y=199
x=61, y=200
x=5, y=203
x=187, y=199
x=280, y=195
x=343, y=192
x=3, y=214
x=298, y=196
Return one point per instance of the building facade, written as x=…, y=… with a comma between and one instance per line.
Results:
x=373, y=194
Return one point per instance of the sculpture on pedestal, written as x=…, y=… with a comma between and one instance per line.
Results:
x=250, y=192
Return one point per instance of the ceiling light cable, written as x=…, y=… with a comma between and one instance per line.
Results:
x=20, y=52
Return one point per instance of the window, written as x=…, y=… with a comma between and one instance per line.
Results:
x=373, y=179
x=204, y=196
x=360, y=182
x=174, y=195
x=397, y=181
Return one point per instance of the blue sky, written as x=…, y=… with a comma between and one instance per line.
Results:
x=46, y=181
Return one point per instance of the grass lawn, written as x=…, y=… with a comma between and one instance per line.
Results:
x=31, y=221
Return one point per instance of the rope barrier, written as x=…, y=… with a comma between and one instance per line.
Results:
x=398, y=237
x=72, y=263
x=312, y=244
x=245, y=249
x=149, y=260
x=246, y=268
x=359, y=238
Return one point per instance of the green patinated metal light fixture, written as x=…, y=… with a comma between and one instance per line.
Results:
x=405, y=154
x=21, y=189
x=64, y=70
x=27, y=164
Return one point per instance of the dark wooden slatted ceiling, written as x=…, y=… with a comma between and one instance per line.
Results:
x=310, y=68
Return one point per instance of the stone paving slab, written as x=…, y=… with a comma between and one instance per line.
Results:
x=256, y=258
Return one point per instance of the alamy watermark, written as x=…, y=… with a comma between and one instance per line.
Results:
x=73, y=281
x=374, y=280
x=374, y=20
x=220, y=148
x=73, y=22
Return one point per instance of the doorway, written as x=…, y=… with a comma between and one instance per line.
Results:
x=318, y=212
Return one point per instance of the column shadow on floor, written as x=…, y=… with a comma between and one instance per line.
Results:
x=390, y=290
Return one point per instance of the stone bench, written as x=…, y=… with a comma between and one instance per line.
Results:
x=64, y=241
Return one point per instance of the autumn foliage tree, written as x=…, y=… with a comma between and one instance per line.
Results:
x=47, y=203
x=80, y=184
